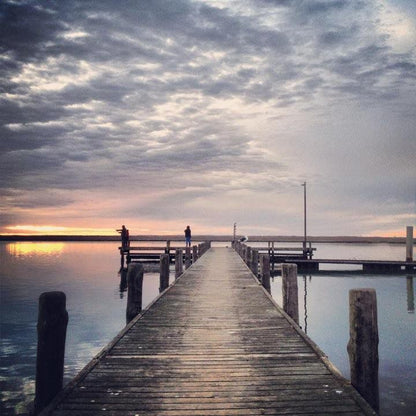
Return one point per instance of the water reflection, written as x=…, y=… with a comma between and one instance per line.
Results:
x=123, y=281
x=305, y=304
x=29, y=248
x=410, y=295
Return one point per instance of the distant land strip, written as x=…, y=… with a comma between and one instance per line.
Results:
x=218, y=238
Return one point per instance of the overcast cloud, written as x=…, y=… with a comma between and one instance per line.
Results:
x=161, y=113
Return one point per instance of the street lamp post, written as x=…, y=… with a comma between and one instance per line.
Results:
x=304, y=217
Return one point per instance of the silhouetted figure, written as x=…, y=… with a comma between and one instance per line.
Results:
x=188, y=236
x=125, y=237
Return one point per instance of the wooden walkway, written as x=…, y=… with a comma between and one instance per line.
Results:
x=214, y=343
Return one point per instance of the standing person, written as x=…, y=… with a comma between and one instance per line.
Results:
x=124, y=236
x=188, y=236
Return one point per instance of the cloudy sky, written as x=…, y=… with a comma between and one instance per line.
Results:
x=157, y=114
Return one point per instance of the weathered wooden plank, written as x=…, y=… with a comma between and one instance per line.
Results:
x=214, y=344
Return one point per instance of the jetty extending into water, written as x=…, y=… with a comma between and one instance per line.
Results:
x=213, y=343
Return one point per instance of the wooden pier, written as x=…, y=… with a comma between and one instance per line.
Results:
x=213, y=343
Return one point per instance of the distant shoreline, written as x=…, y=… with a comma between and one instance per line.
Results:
x=218, y=238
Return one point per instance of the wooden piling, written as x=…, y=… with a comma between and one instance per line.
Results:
x=410, y=295
x=187, y=257
x=363, y=344
x=164, y=272
x=194, y=254
x=290, y=290
x=51, y=328
x=409, y=243
x=265, y=271
x=247, y=258
x=255, y=262
x=178, y=262
x=167, y=250
x=134, y=290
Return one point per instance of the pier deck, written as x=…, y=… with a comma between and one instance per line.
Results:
x=214, y=343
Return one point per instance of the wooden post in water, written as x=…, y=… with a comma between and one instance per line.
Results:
x=52, y=323
x=290, y=290
x=247, y=258
x=255, y=261
x=164, y=272
x=409, y=243
x=410, y=295
x=167, y=249
x=194, y=254
x=178, y=262
x=187, y=257
x=134, y=290
x=363, y=344
x=265, y=271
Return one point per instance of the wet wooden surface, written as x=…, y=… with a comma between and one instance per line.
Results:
x=213, y=344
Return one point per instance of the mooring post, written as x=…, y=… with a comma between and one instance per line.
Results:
x=363, y=344
x=410, y=295
x=194, y=254
x=265, y=271
x=187, y=257
x=409, y=243
x=247, y=258
x=255, y=261
x=178, y=262
x=167, y=249
x=51, y=327
x=134, y=290
x=164, y=272
x=290, y=290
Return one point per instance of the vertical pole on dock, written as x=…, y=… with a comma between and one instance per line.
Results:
x=255, y=262
x=194, y=254
x=167, y=250
x=363, y=344
x=164, y=272
x=134, y=290
x=51, y=327
x=290, y=290
x=187, y=257
x=247, y=258
x=178, y=262
x=265, y=271
x=410, y=295
x=409, y=243
x=304, y=218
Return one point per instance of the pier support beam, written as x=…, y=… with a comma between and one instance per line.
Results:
x=134, y=290
x=164, y=272
x=52, y=323
x=194, y=254
x=265, y=271
x=247, y=258
x=187, y=257
x=363, y=344
x=290, y=290
x=410, y=295
x=255, y=261
x=409, y=243
x=178, y=262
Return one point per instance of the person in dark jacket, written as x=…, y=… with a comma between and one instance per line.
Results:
x=188, y=236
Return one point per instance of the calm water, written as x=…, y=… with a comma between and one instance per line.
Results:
x=88, y=274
